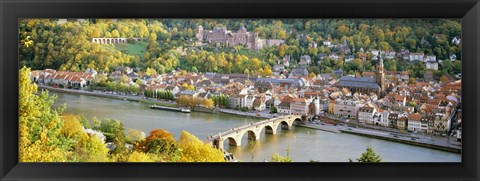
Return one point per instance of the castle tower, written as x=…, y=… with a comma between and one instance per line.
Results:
x=199, y=33
x=381, y=77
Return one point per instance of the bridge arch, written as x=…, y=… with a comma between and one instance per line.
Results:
x=286, y=124
x=233, y=142
x=298, y=120
x=252, y=135
x=270, y=129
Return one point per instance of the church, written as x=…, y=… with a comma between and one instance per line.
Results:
x=366, y=85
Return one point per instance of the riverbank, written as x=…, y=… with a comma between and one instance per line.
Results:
x=141, y=99
x=321, y=127
x=112, y=96
x=412, y=139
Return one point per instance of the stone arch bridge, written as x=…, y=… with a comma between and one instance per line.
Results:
x=234, y=135
x=113, y=40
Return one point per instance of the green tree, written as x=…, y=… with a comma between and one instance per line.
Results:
x=369, y=156
x=134, y=136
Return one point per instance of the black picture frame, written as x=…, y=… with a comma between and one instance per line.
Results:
x=11, y=11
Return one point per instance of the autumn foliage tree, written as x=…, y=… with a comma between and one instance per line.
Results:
x=40, y=126
x=194, y=150
x=162, y=143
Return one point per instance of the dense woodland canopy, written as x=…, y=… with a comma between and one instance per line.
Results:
x=169, y=44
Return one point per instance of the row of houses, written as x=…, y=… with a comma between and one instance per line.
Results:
x=420, y=107
x=76, y=80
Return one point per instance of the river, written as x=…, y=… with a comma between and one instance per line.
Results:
x=304, y=144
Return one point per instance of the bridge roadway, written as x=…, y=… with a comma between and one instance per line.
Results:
x=234, y=135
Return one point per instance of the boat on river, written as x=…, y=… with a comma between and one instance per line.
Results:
x=183, y=109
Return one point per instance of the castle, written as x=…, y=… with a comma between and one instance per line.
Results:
x=224, y=37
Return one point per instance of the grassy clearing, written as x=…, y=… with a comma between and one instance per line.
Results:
x=139, y=48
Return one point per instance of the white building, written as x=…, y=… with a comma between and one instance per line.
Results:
x=327, y=43
x=416, y=57
x=381, y=118
x=366, y=114
x=349, y=58
x=346, y=108
x=249, y=101
x=414, y=123
x=456, y=41
x=430, y=58
x=284, y=108
x=433, y=65
x=238, y=100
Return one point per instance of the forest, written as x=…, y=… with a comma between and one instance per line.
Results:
x=169, y=44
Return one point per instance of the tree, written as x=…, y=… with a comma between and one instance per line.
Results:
x=208, y=103
x=444, y=79
x=273, y=109
x=91, y=149
x=246, y=71
x=147, y=56
x=138, y=156
x=162, y=143
x=150, y=71
x=134, y=136
x=40, y=126
x=411, y=80
x=278, y=158
x=194, y=150
x=110, y=127
x=369, y=156
x=183, y=100
x=115, y=34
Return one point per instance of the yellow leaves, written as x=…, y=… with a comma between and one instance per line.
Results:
x=26, y=41
x=208, y=103
x=278, y=158
x=137, y=156
x=255, y=62
x=40, y=152
x=91, y=150
x=72, y=128
x=194, y=150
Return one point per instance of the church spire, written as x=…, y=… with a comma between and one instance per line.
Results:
x=381, y=77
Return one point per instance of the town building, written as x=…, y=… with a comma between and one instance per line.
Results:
x=433, y=65
x=414, y=122
x=416, y=57
x=346, y=108
x=365, y=85
x=299, y=106
x=284, y=107
x=366, y=114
